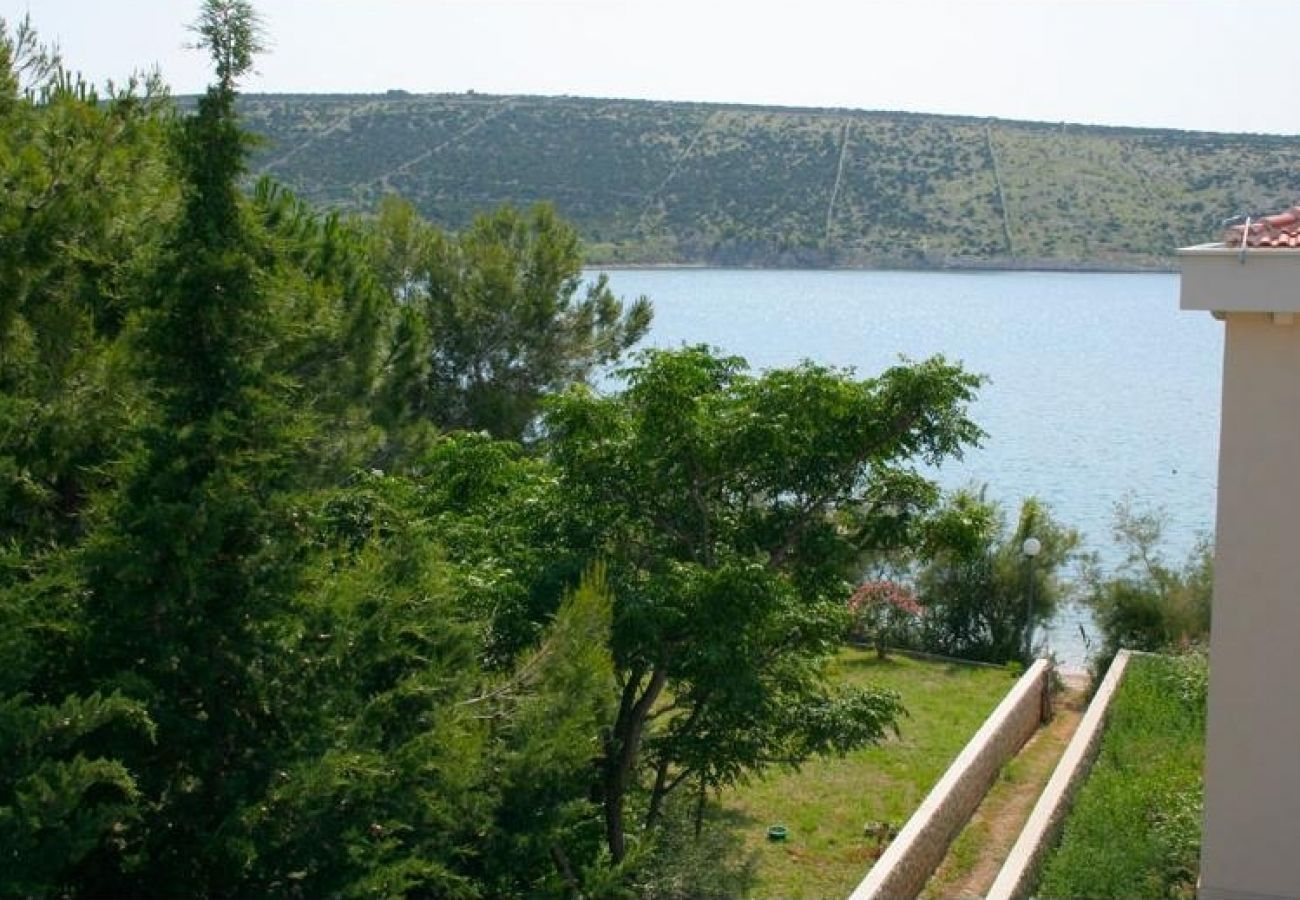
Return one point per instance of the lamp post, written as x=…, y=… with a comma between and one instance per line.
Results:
x=1031, y=548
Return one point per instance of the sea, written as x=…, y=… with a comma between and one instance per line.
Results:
x=1100, y=389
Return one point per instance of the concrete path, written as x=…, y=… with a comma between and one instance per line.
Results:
x=973, y=861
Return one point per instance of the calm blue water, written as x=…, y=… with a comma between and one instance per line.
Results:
x=1099, y=385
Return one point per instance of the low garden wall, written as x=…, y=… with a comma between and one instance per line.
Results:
x=908, y=862
x=1020, y=872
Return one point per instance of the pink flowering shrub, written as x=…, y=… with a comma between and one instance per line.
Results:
x=884, y=614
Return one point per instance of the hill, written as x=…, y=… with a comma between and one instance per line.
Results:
x=685, y=183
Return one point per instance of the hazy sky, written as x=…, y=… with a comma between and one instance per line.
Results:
x=1220, y=66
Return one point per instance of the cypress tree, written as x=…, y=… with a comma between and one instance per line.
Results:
x=183, y=586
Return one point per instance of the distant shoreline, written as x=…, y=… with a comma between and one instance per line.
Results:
x=1002, y=266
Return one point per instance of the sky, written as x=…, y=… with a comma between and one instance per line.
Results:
x=1188, y=64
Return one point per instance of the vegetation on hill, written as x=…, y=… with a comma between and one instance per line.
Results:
x=687, y=183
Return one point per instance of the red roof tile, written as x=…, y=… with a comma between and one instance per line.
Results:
x=1281, y=230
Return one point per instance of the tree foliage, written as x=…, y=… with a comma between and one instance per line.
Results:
x=1149, y=604
x=497, y=316
x=57, y=804
x=716, y=497
x=414, y=770
x=231, y=34
x=976, y=584
x=241, y=669
x=83, y=178
x=84, y=185
x=183, y=577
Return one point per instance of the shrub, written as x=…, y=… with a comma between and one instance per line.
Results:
x=1147, y=604
x=885, y=614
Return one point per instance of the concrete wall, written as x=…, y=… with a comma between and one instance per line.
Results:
x=908, y=862
x=1251, y=841
x=1020, y=871
x=1219, y=279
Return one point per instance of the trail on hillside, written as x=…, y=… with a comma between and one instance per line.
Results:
x=1002, y=195
x=384, y=179
x=316, y=137
x=672, y=172
x=748, y=185
x=839, y=176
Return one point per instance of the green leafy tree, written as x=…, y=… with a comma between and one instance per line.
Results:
x=555, y=705
x=495, y=317
x=721, y=501
x=975, y=585
x=333, y=312
x=398, y=246
x=234, y=677
x=83, y=180
x=59, y=805
x=384, y=784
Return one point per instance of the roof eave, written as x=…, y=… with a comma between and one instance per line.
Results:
x=1219, y=278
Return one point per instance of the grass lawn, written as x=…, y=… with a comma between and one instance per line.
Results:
x=826, y=804
x=1135, y=829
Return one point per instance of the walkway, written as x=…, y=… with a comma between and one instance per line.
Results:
x=973, y=861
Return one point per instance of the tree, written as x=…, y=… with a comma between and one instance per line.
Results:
x=230, y=32
x=184, y=579
x=83, y=182
x=503, y=316
x=242, y=674
x=1147, y=604
x=333, y=310
x=885, y=613
x=730, y=509
x=58, y=805
x=85, y=189
x=413, y=770
x=976, y=580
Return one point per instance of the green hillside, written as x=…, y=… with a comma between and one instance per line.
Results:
x=650, y=182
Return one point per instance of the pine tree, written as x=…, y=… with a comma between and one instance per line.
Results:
x=84, y=192
x=507, y=316
x=83, y=186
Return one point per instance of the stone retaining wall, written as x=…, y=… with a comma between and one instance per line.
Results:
x=1020, y=872
x=908, y=862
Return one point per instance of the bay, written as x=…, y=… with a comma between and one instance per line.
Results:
x=1099, y=386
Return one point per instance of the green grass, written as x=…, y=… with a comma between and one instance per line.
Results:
x=964, y=854
x=1135, y=828
x=826, y=803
